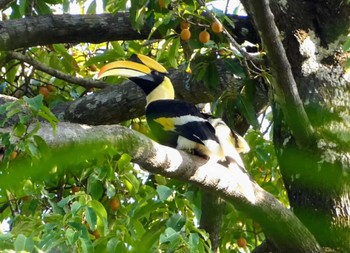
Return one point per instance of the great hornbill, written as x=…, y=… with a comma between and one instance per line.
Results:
x=174, y=122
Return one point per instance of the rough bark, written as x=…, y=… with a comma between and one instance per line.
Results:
x=88, y=28
x=317, y=181
x=67, y=29
x=280, y=224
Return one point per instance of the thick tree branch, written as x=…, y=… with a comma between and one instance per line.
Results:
x=88, y=28
x=56, y=73
x=285, y=86
x=67, y=29
x=279, y=223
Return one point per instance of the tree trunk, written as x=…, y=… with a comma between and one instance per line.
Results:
x=316, y=176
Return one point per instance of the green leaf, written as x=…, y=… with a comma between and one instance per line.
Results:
x=95, y=186
x=212, y=76
x=34, y=130
x=110, y=189
x=124, y=162
x=118, y=49
x=174, y=51
x=45, y=113
x=43, y=8
x=41, y=144
x=19, y=130
x=235, y=67
x=75, y=207
x=34, y=103
x=98, y=208
x=63, y=202
x=176, y=222
x=71, y=235
x=346, y=45
x=245, y=106
x=23, y=243
x=193, y=241
x=150, y=238
x=81, y=228
x=91, y=217
x=138, y=228
x=112, y=245
x=132, y=182
x=347, y=65
x=108, y=55
x=92, y=8
x=86, y=245
x=164, y=192
x=170, y=236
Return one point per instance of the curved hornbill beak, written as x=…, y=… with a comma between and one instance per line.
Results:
x=139, y=66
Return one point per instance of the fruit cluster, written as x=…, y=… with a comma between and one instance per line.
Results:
x=204, y=36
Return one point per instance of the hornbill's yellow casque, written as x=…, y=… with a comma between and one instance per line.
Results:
x=174, y=122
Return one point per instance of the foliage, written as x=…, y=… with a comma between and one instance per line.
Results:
x=64, y=204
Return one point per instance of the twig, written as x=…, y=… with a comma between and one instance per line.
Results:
x=56, y=73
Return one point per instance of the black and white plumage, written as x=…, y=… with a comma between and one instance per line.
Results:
x=174, y=122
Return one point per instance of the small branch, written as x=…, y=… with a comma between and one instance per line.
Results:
x=60, y=75
x=285, y=86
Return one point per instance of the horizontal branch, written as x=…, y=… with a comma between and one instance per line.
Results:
x=67, y=29
x=280, y=224
x=89, y=28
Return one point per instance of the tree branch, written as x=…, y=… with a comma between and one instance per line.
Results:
x=67, y=29
x=285, y=86
x=88, y=28
x=56, y=73
x=280, y=224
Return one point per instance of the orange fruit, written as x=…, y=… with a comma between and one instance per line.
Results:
x=204, y=36
x=97, y=234
x=216, y=27
x=185, y=34
x=241, y=242
x=13, y=155
x=26, y=198
x=44, y=91
x=93, y=67
x=51, y=88
x=184, y=25
x=114, y=204
x=75, y=189
x=161, y=4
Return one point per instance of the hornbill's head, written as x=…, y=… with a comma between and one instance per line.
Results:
x=148, y=74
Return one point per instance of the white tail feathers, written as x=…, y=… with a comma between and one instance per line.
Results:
x=231, y=142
